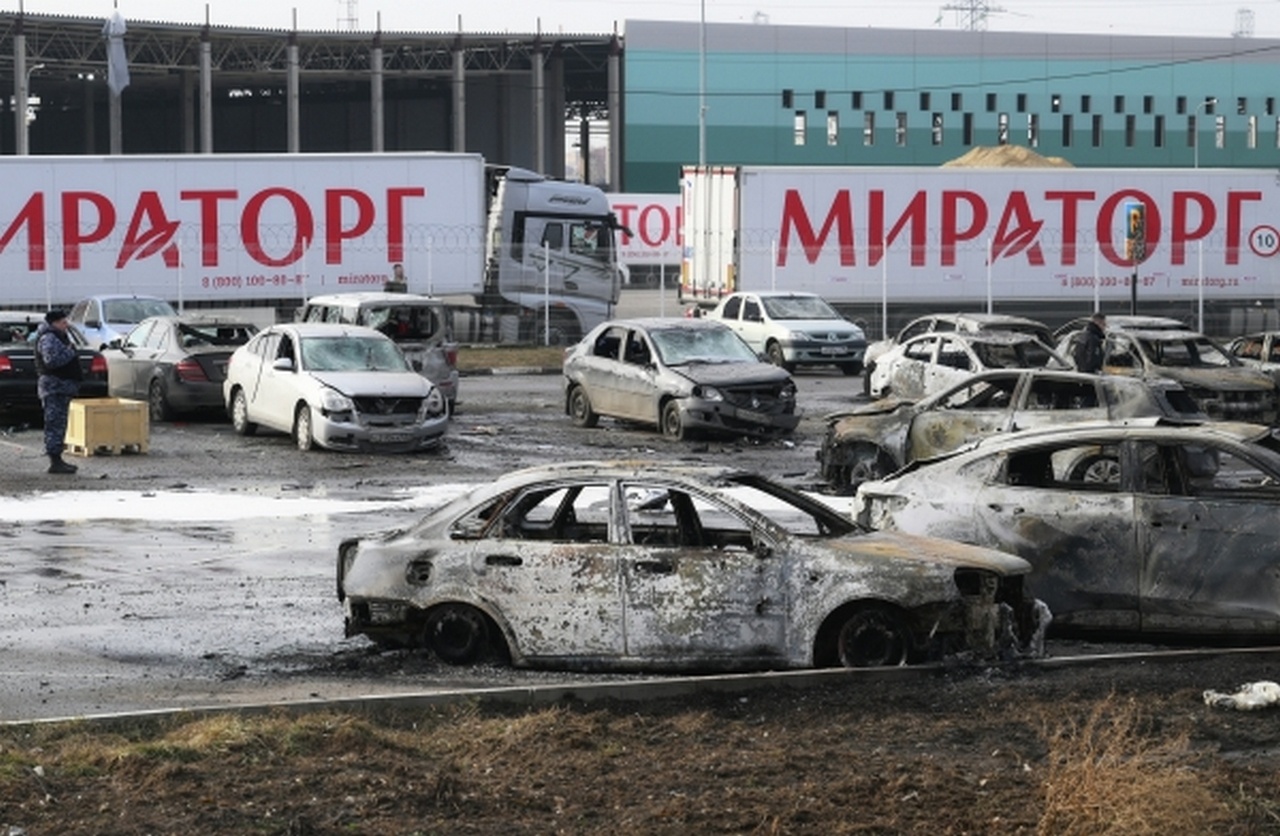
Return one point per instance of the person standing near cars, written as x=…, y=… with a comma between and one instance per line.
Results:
x=1088, y=349
x=58, y=364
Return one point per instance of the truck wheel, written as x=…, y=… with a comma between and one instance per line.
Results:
x=672, y=425
x=580, y=408
x=240, y=414
x=563, y=333
x=302, y=433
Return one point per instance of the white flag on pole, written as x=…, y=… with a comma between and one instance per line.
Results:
x=117, y=61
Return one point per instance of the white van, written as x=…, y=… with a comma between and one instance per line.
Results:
x=420, y=325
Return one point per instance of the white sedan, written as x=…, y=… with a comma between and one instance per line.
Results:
x=344, y=387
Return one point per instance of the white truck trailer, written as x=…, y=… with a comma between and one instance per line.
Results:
x=1036, y=241
x=272, y=230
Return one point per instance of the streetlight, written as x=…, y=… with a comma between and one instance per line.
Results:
x=1195, y=139
x=23, y=96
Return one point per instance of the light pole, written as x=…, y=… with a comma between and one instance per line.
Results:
x=23, y=97
x=1195, y=140
x=702, y=84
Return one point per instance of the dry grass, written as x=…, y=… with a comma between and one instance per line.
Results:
x=475, y=358
x=1114, y=774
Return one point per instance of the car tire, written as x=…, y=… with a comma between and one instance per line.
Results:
x=774, y=352
x=873, y=636
x=1097, y=470
x=580, y=408
x=672, y=424
x=158, y=403
x=456, y=633
x=303, y=435
x=240, y=414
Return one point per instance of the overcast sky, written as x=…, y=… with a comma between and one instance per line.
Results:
x=1155, y=17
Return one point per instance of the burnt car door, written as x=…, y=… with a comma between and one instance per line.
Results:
x=548, y=565
x=701, y=582
x=907, y=377
x=1043, y=504
x=973, y=409
x=1207, y=519
x=1048, y=401
x=636, y=379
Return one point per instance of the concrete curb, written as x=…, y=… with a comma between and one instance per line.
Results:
x=505, y=370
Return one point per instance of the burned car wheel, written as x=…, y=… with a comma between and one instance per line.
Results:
x=1098, y=470
x=672, y=424
x=240, y=414
x=580, y=409
x=873, y=636
x=456, y=633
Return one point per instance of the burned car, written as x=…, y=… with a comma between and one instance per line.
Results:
x=1155, y=529
x=634, y=565
x=1259, y=350
x=872, y=441
x=1222, y=385
x=930, y=363
x=681, y=375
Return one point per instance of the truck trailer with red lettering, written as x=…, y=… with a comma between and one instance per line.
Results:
x=1041, y=242
x=274, y=229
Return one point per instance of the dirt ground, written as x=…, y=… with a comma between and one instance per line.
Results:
x=1125, y=749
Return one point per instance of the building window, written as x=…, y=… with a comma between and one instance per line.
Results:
x=1271, y=105
x=1130, y=130
x=1086, y=102
x=1242, y=106
x=1068, y=128
x=1002, y=129
x=924, y=101
x=1158, y=131
x=819, y=99
x=1055, y=103
x=1119, y=104
x=1033, y=130
x=1251, y=132
x=788, y=97
x=991, y=103
x=967, y=129
x=937, y=129
x=1021, y=103
x=869, y=128
x=1210, y=105
x=1219, y=132
x=1180, y=105
x=833, y=127
x=888, y=100
x=900, y=128
x=799, y=127
x=957, y=101
x=1095, y=131
x=856, y=103
x=1148, y=104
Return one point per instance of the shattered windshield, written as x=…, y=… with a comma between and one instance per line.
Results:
x=798, y=307
x=350, y=354
x=678, y=346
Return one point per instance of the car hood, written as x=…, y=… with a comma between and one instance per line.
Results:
x=383, y=384
x=732, y=374
x=1218, y=377
x=897, y=547
x=820, y=326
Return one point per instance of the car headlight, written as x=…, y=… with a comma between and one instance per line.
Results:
x=789, y=391
x=332, y=400
x=432, y=405
x=708, y=393
x=796, y=337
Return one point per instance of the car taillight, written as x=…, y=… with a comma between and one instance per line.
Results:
x=98, y=365
x=190, y=371
x=6, y=365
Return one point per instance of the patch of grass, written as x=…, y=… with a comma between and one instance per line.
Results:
x=474, y=358
x=1115, y=774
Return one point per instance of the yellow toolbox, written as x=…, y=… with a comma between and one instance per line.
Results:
x=107, y=425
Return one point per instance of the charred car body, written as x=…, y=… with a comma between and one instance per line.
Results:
x=641, y=566
x=682, y=375
x=929, y=363
x=1174, y=535
x=1224, y=388
x=873, y=441
x=1260, y=350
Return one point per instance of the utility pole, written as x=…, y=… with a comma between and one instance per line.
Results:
x=971, y=14
x=348, y=15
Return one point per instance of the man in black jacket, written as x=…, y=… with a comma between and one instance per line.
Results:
x=1088, y=348
x=58, y=364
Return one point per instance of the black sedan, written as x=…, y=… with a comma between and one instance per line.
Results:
x=175, y=363
x=18, y=362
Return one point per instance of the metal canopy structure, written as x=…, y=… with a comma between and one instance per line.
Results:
x=424, y=76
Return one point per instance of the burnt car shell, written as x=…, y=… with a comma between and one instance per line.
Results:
x=616, y=601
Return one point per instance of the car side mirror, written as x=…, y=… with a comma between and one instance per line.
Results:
x=763, y=550
x=117, y=344
x=283, y=364
x=92, y=323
